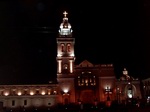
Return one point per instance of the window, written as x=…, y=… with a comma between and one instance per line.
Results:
x=86, y=79
x=13, y=102
x=2, y=93
x=25, y=92
x=68, y=47
x=62, y=48
x=65, y=66
x=14, y=92
x=25, y=102
x=37, y=92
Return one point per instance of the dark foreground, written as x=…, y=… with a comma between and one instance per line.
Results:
x=85, y=108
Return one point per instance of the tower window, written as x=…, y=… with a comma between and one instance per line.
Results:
x=68, y=47
x=62, y=48
x=65, y=66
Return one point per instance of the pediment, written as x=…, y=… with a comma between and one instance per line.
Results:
x=86, y=63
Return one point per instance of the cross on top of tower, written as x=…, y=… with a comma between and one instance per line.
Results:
x=65, y=13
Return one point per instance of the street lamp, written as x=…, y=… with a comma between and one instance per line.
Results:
x=118, y=94
x=108, y=92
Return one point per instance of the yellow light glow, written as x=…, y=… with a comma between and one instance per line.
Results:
x=55, y=92
x=19, y=93
x=65, y=90
x=31, y=93
x=59, y=55
x=6, y=93
x=107, y=87
x=130, y=95
x=43, y=93
x=72, y=54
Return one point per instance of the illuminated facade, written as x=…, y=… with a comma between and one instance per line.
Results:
x=26, y=96
x=83, y=83
x=127, y=88
x=146, y=89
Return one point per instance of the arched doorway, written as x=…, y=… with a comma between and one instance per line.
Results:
x=130, y=91
x=87, y=96
x=1, y=105
x=66, y=101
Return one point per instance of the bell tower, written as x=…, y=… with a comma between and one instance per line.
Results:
x=65, y=61
x=65, y=49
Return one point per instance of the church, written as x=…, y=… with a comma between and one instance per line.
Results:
x=85, y=83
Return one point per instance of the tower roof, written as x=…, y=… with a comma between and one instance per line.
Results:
x=65, y=26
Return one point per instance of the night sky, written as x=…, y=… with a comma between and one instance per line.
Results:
x=111, y=31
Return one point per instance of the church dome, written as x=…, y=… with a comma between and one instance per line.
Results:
x=65, y=26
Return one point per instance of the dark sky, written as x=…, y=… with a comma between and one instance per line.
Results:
x=111, y=31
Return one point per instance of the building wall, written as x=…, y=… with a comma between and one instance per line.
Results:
x=122, y=88
x=28, y=95
x=146, y=89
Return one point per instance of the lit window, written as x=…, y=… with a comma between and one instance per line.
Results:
x=86, y=79
x=68, y=47
x=62, y=47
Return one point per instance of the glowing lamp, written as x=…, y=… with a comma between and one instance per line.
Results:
x=19, y=93
x=130, y=95
x=43, y=93
x=31, y=93
x=66, y=90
